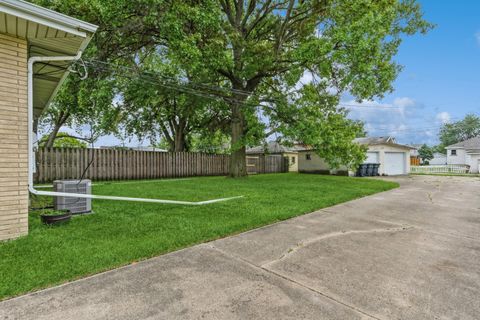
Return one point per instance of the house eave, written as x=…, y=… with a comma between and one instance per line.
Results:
x=46, y=17
x=48, y=33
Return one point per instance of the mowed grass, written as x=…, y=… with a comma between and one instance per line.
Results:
x=120, y=233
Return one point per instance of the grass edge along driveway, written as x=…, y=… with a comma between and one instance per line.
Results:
x=120, y=233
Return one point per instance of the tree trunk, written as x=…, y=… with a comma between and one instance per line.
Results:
x=52, y=136
x=238, y=161
x=180, y=142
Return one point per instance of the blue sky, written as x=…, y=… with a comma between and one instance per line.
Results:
x=440, y=80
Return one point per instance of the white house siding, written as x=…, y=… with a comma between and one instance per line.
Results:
x=316, y=164
x=460, y=158
x=292, y=161
x=473, y=160
x=438, y=159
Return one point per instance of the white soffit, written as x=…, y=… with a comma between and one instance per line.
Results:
x=48, y=33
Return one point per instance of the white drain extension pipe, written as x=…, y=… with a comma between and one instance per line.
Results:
x=31, y=163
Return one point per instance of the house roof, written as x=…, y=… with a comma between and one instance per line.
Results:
x=275, y=147
x=473, y=143
x=48, y=33
x=375, y=140
x=370, y=141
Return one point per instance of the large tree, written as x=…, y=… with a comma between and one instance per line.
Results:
x=78, y=104
x=156, y=105
x=124, y=27
x=256, y=50
x=348, y=45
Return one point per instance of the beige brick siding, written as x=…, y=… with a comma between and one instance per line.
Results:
x=13, y=131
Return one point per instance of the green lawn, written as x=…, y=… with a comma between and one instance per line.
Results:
x=119, y=232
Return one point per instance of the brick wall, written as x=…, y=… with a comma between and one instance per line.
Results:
x=13, y=142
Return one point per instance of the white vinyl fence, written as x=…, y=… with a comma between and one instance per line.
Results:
x=449, y=168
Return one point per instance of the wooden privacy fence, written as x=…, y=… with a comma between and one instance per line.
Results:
x=449, y=168
x=110, y=164
x=414, y=161
x=266, y=164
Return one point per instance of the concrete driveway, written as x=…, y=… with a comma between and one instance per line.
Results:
x=409, y=253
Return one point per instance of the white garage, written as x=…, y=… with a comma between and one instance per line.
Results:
x=394, y=163
x=372, y=157
x=394, y=158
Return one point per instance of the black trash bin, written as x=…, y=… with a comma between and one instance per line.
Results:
x=362, y=170
x=370, y=167
x=375, y=169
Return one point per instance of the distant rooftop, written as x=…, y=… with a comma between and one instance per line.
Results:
x=275, y=147
x=473, y=143
x=370, y=141
x=375, y=140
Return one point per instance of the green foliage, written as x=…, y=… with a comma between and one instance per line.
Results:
x=426, y=153
x=82, y=103
x=152, y=109
x=257, y=51
x=458, y=131
x=89, y=102
x=120, y=232
x=315, y=120
x=63, y=140
x=216, y=142
x=261, y=50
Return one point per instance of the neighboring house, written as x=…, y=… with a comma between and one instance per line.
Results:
x=27, y=30
x=142, y=148
x=414, y=150
x=275, y=148
x=394, y=158
x=415, y=159
x=438, y=159
x=139, y=148
x=465, y=153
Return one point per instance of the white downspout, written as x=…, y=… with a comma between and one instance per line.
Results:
x=31, y=164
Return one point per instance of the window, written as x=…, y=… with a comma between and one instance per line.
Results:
x=308, y=156
x=293, y=160
x=453, y=152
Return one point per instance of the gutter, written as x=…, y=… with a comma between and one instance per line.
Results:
x=31, y=162
x=34, y=13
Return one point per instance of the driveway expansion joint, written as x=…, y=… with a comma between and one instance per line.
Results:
x=310, y=241
x=295, y=283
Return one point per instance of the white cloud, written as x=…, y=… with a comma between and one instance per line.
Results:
x=443, y=117
x=404, y=118
x=404, y=102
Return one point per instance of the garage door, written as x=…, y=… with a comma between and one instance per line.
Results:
x=395, y=163
x=372, y=157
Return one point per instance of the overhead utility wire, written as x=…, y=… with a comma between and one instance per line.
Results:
x=154, y=76
x=150, y=77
